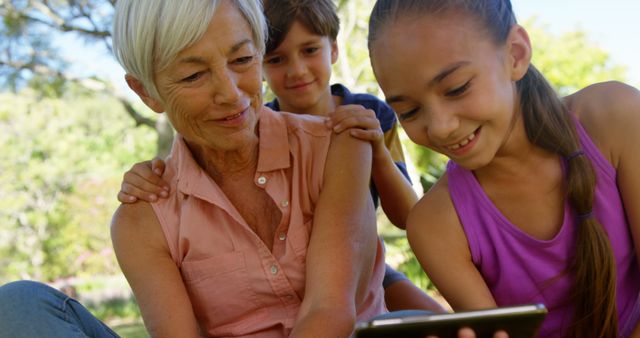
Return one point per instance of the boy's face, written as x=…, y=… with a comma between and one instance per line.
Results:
x=299, y=70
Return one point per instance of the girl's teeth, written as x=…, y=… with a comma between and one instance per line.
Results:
x=464, y=142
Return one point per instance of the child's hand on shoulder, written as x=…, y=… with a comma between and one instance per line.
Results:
x=144, y=181
x=360, y=122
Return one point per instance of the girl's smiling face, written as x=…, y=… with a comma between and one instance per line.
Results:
x=451, y=85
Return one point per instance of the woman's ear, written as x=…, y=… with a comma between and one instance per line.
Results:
x=519, y=49
x=137, y=86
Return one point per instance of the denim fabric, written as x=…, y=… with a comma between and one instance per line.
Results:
x=30, y=309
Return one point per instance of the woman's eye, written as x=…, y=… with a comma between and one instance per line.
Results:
x=243, y=60
x=407, y=115
x=459, y=91
x=193, y=77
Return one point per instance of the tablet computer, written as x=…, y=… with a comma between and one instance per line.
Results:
x=520, y=321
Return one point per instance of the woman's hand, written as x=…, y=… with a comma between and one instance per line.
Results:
x=144, y=181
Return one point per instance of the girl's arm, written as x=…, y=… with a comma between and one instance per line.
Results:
x=440, y=245
x=144, y=258
x=343, y=243
x=397, y=196
x=610, y=112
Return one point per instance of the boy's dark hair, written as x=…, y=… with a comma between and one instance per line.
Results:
x=318, y=16
x=550, y=126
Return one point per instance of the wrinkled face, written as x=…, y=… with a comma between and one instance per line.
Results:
x=212, y=91
x=450, y=85
x=299, y=70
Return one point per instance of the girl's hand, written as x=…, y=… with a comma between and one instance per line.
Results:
x=360, y=122
x=469, y=333
x=144, y=181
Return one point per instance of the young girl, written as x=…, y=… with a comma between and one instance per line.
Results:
x=538, y=204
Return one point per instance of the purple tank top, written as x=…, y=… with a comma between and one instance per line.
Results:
x=520, y=269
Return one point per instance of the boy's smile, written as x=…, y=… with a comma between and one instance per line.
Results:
x=299, y=70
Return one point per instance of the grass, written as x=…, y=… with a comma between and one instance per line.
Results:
x=131, y=330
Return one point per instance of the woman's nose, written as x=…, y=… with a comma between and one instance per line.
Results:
x=225, y=88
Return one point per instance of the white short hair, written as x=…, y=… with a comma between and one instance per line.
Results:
x=149, y=34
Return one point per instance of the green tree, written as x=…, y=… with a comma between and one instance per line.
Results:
x=571, y=61
x=61, y=161
x=28, y=58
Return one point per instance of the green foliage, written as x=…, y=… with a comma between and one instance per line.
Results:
x=131, y=330
x=570, y=61
x=61, y=163
x=353, y=68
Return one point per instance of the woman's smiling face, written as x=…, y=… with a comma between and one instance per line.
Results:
x=212, y=91
x=452, y=87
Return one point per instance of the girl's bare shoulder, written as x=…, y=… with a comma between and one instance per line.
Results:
x=610, y=113
x=434, y=211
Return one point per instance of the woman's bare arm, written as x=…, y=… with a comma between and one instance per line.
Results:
x=144, y=258
x=343, y=243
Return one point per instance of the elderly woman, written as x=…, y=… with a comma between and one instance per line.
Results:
x=269, y=229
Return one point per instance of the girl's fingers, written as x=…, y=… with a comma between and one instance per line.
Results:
x=466, y=333
x=501, y=334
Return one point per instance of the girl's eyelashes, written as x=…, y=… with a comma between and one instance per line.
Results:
x=407, y=115
x=458, y=91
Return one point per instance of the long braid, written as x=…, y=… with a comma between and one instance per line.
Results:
x=551, y=127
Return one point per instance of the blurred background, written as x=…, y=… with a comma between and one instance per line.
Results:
x=69, y=128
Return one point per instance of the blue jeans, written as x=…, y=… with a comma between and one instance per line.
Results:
x=32, y=309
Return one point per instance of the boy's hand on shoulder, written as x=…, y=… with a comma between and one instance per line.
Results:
x=144, y=182
x=361, y=123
